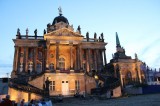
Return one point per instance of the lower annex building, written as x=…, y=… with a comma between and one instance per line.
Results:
x=129, y=71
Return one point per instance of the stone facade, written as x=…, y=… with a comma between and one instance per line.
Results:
x=129, y=71
x=62, y=55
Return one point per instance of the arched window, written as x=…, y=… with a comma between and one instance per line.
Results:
x=39, y=67
x=62, y=63
x=51, y=67
x=128, y=78
x=21, y=67
x=39, y=55
x=30, y=66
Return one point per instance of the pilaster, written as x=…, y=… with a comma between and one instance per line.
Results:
x=26, y=61
x=95, y=60
x=57, y=56
x=71, y=58
x=104, y=53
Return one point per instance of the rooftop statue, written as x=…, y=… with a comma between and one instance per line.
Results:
x=99, y=38
x=18, y=31
x=35, y=32
x=60, y=10
x=136, y=57
x=102, y=36
x=44, y=32
x=27, y=31
x=79, y=29
x=95, y=36
x=87, y=36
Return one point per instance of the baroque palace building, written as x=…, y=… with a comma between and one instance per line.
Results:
x=63, y=56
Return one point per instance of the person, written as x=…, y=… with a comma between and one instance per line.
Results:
x=22, y=102
x=30, y=103
x=7, y=101
x=43, y=102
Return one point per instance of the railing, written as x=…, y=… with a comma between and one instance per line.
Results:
x=109, y=84
x=93, y=40
x=29, y=37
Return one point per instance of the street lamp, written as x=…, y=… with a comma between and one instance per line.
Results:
x=97, y=80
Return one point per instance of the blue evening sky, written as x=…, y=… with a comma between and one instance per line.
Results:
x=136, y=21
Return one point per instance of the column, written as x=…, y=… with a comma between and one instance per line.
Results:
x=15, y=58
x=71, y=58
x=89, y=57
x=57, y=56
x=26, y=61
x=121, y=79
x=101, y=56
x=88, y=60
x=18, y=59
x=105, y=60
x=95, y=60
x=47, y=57
x=35, y=59
x=44, y=58
x=76, y=67
x=78, y=58
x=139, y=74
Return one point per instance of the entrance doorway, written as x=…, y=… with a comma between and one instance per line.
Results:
x=65, y=88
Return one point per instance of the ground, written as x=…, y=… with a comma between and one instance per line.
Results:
x=139, y=100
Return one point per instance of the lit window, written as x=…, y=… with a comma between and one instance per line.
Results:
x=21, y=67
x=52, y=86
x=77, y=85
x=61, y=63
x=30, y=66
x=51, y=66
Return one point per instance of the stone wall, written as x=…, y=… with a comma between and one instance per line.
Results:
x=38, y=82
x=117, y=92
x=18, y=95
x=133, y=90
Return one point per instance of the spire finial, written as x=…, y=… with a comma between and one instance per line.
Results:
x=60, y=10
x=117, y=40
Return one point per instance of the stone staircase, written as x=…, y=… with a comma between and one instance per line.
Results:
x=23, y=85
x=109, y=83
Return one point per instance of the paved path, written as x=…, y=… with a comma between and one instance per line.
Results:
x=140, y=100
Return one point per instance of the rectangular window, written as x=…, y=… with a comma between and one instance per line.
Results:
x=52, y=86
x=77, y=85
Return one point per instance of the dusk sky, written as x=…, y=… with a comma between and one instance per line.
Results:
x=136, y=21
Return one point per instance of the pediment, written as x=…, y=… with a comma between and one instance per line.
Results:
x=63, y=32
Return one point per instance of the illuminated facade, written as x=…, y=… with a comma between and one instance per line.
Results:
x=61, y=54
x=129, y=71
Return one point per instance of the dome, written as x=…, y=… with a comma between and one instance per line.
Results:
x=60, y=18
